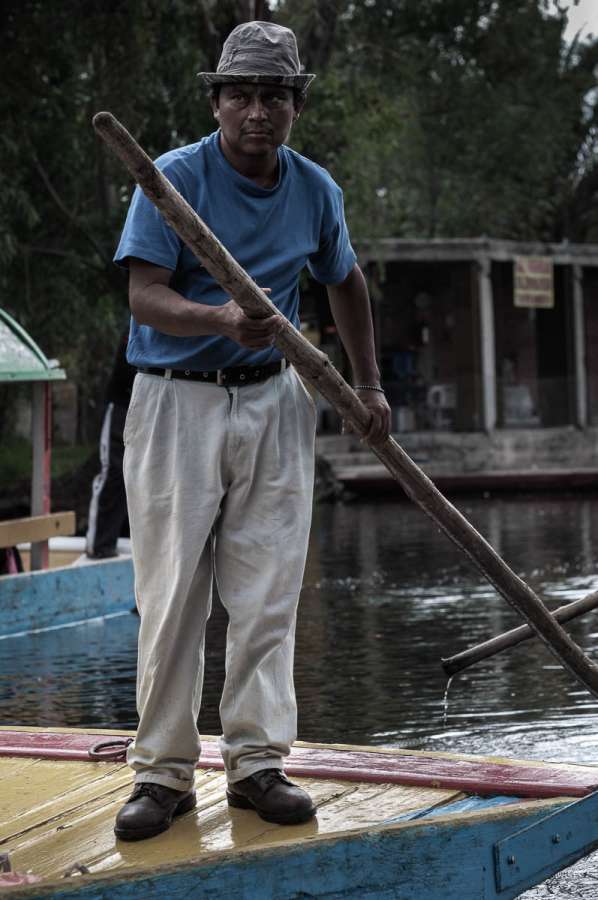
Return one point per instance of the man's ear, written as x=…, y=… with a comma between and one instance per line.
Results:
x=215, y=110
x=299, y=104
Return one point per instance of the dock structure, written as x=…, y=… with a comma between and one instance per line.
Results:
x=472, y=463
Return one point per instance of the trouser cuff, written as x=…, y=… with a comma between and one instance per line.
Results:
x=250, y=767
x=176, y=784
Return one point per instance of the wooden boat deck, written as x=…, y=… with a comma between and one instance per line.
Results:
x=57, y=814
x=84, y=798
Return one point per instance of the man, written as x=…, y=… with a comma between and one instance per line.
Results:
x=219, y=438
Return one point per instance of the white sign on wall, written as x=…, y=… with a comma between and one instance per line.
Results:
x=533, y=281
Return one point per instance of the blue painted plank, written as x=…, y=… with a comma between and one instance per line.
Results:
x=469, y=804
x=423, y=861
x=569, y=834
x=54, y=597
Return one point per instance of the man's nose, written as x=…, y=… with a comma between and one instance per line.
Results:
x=257, y=110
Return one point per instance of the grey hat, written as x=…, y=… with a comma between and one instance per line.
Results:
x=259, y=52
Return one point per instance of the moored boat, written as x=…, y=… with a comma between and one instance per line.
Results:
x=65, y=595
x=53, y=593
x=390, y=824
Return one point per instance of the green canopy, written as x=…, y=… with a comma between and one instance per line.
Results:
x=20, y=357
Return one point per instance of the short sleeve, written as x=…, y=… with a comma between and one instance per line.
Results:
x=147, y=236
x=334, y=259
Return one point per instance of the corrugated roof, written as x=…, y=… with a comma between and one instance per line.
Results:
x=20, y=357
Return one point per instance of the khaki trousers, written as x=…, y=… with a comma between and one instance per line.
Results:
x=219, y=485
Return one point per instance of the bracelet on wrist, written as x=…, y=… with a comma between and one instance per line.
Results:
x=368, y=387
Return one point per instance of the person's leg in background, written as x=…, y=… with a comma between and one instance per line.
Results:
x=108, y=505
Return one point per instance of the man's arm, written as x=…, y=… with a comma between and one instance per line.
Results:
x=153, y=302
x=350, y=305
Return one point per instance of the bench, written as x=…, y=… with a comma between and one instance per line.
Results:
x=35, y=529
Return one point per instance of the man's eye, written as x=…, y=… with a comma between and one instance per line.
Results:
x=275, y=99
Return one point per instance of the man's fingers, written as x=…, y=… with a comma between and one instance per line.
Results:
x=378, y=429
x=379, y=425
x=269, y=325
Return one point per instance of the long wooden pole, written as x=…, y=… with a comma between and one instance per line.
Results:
x=466, y=658
x=315, y=366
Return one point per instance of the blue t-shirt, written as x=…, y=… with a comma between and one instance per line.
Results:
x=272, y=232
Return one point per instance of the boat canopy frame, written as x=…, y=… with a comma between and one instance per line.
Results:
x=22, y=361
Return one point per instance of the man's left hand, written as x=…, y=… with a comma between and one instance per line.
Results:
x=379, y=427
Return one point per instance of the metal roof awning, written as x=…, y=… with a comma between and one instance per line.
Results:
x=20, y=357
x=468, y=249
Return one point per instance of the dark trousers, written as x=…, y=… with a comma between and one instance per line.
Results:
x=108, y=505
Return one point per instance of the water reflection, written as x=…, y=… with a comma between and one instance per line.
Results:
x=385, y=596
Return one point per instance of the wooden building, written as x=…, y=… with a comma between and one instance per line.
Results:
x=480, y=334
x=475, y=335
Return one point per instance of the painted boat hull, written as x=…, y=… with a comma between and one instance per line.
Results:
x=440, y=844
x=449, y=859
x=32, y=601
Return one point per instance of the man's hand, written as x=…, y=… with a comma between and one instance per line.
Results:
x=376, y=403
x=256, y=334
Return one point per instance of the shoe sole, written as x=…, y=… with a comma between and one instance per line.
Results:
x=128, y=835
x=239, y=802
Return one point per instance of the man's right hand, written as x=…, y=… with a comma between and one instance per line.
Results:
x=153, y=302
x=255, y=334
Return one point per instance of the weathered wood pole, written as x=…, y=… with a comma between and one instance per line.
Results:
x=315, y=366
x=466, y=658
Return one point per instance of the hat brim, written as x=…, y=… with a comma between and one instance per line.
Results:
x=300, y=82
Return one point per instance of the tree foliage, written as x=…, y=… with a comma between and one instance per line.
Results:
x=457, y=118
x=440, y=118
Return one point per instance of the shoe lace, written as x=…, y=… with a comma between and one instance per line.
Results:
x=268, y=777
x=147, y=789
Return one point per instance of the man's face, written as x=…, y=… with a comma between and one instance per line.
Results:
x=255, y=119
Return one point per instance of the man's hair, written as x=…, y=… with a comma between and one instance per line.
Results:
x=299, y=96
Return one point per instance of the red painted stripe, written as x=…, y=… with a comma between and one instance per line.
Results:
x=477, y=776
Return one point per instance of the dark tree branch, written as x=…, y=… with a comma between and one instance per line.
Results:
x=65, y=254
x=65, y=210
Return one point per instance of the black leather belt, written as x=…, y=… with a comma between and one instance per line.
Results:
x=235, y=376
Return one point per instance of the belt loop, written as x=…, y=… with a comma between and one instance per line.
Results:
x=283, y=364
x=219, y=377
x=168, y=373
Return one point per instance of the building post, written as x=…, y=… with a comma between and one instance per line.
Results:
x=40, y=481
x=487, y=344
x=579, y=349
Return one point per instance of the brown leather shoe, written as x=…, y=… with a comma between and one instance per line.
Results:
x=274, y=798
x=150, y=810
